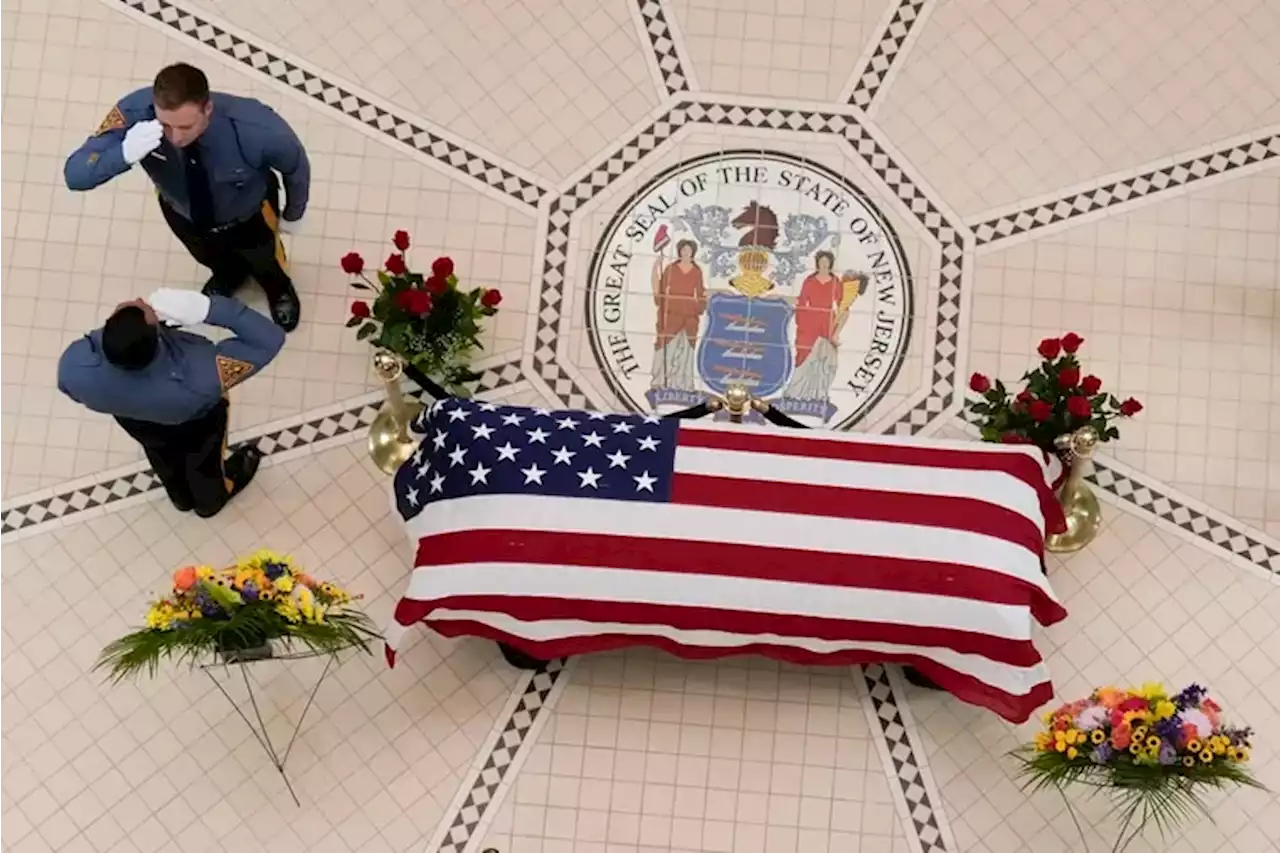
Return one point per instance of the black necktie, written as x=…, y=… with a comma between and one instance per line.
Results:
x=198, y=193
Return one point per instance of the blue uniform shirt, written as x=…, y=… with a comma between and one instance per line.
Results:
x=245, y=140
x=189, y=375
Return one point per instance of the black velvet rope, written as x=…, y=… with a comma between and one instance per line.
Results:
x=425, y=382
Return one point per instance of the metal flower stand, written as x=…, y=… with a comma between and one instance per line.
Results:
x=242, y=661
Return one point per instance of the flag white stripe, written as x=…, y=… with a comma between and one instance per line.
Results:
x=745, y=527
x=755, y=595
x=930, y=443
x=1014, y=680
x=992, y=487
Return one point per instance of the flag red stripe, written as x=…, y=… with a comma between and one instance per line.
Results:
x=1017, y=709
x=1018, y=465
x=679, y=556
x=945, y=511
x=536, y=608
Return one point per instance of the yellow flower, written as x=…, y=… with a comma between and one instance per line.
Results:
x=288, y=609
x=306, y=602
x=1206, y=756
x=203, y=572
x=1043, y=741
x=284, y=583
x=1243, y=752
x=1153, y=742
x=1098, y=736
x=1188, y=761
x=1072, y=752
x=1165, y=709
x=1194, y=746
x=1047, y=718
x=1220, y=747
x=1152, y=690
x=1135, y=747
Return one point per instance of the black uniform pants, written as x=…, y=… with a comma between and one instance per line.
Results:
x=188, y=458
x=233, y=253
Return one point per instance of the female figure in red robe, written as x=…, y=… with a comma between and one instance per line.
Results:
x=681, y=298
x=818, y=306
x=819, y=317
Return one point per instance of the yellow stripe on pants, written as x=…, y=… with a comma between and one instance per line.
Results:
x=226, y=431
x=273, y=222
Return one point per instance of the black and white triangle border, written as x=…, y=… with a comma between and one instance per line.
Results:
x=888, y=51
x=24, y=517
x=514, y=736
x=332, y=96
x=905, y=767
x=1114, y=193
x=666, y=54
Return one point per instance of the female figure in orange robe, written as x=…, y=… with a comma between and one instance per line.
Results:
x=681, y=297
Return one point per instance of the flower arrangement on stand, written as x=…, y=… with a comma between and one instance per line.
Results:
x=1056, y=398
x=236, y=613
x=1152, y=752
x=427, y=320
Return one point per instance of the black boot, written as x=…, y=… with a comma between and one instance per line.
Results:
x=285, y=308
x=241, y=464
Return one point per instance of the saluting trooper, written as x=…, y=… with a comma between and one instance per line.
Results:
x=214, y=159
x=168, y=387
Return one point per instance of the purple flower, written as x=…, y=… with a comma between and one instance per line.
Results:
x=1102, y=754
x=273, y=570
x=1169, y=729
x=249, y=592
x=1168, y=755
x=1190, y=697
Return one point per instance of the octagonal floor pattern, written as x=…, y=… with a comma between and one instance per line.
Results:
x=849, y=207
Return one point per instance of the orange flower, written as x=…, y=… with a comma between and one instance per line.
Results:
x=1109, y=697
x=184, y=578
x=1121, y=736
x=306, y=580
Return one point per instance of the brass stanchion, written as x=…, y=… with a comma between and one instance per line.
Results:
x=1079, y=503
x=389, y=441
x=736, y=401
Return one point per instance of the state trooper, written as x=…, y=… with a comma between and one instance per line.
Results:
x=168, y=387
x=213, y=158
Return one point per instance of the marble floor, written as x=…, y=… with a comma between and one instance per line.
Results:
x=1009, y=169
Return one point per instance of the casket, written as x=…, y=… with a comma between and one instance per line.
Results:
x=566, y=532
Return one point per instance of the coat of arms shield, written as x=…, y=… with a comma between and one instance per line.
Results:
x=747, y=342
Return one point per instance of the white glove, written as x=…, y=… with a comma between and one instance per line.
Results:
x=140, y=140
x=175, y=307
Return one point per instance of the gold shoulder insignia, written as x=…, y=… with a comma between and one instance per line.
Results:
x=232, y=371
x=113, y=121
x=94, y=157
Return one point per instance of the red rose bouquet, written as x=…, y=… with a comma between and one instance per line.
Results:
x=429, y=321
x=1055, y=399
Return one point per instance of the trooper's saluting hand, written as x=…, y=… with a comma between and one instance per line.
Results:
x=214, y=159
x=167, y=387
x=140, y=140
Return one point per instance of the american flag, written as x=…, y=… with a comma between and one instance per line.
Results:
x=565, y=532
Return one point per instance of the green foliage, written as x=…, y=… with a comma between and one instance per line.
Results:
x=249, y=626
x=1142, y=795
